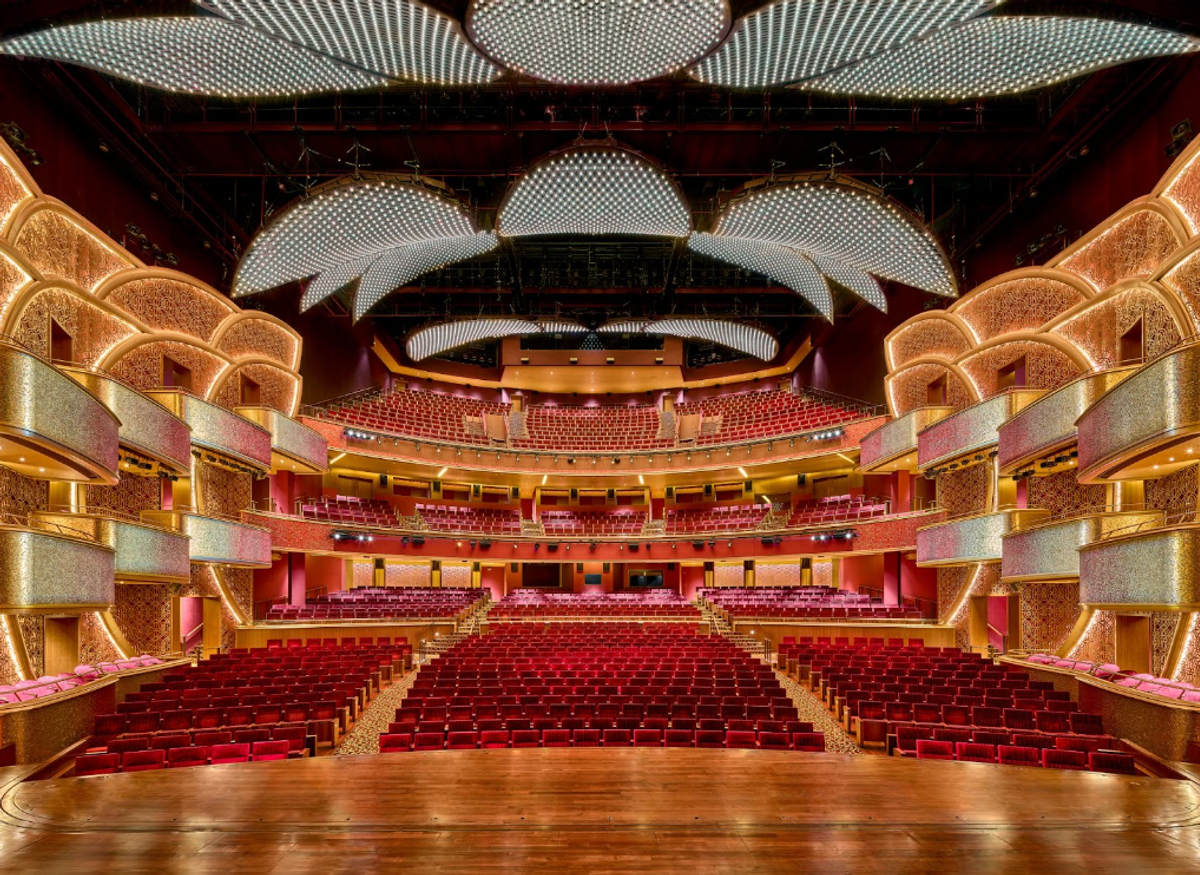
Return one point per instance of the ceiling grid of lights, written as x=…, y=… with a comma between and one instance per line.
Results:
x=735, y=335
x=785, y=266
x=400, y=266
x=435, y=339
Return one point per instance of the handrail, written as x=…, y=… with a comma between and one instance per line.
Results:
x=1069, y=514
x=1168, y=520
x=33, y=523
x=107, y=513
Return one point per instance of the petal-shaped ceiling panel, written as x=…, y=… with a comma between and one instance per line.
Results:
x=435, y=339
x=795, y=40
x=786, y=266
x=402, y=39
x=845, y=222
x=735, y=335
x=858, y=281
x=595, y=190
x=401, y=265
x=204, y=55
x=1002, y=55
x=333, y=279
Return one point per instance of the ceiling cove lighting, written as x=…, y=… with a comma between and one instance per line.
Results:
x=843, y=221
x=1002, y=55
x=796, y=40
x=444, y=336
x=401, y=39
x=205, y=55
x=735, y=335
x=785, y=266
x=600, y=42
x=594, y=190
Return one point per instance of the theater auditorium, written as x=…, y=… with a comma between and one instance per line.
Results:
x=627, y=436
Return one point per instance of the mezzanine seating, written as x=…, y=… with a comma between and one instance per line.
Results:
x=423, y=414
x=835, y=509
x=597, y=429
x=720, y=520
x=459, y=519
x=802, y=602
x=1143, y=682
x=531, y=603
x=348, y=510
x=760, y=414
x=375, y=604
x=592, y=523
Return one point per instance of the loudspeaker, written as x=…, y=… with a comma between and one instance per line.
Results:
x=699, y=545
x=418, y=541
x=475, y=566
x=475, y=490
x=806, y=564
x=612, y=495
x=378, y=562
x=801, y=479
x=513, y=567
x=708, y=489
x=437, y=487
x=768, y=541
x=435, y=565
x=516, y=492
x=574, y=494
x=670, y=492
x=552, y=547
x=383, y=479
x=748, y=486
x=485, y=545
x=579, y=567
x=633, y=548
x=747, y=564
x=670, y=566
x=607, y=567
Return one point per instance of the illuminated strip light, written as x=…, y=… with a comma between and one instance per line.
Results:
x=600, y=42
x=783, y=265
x=437, y=339
x=734, y=335
x=205, y=55
x=964, y=597
x=1002, y=55
x=402, y=39
x=595, y=191
x=1087, y=630
x=798, y=39
x=552, y=326
x=121, y=654
x=845, y=223
x=625, y=327
x=399, y=266
x=8, y=623
x=857, y=281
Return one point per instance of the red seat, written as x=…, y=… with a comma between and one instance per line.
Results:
x=741, y=740
x=616, y=738
x=462, y=741
x=493, y=738
x=429, y=741
x=812, y=742
x=143, y=760
x=526, y=738
x=679, y=738
x=972, y=752
x=1054, y=758
x=396, y=742
x=1011, y=755
x=229, y=753
x=266, y=751
x=97, y=764
x=184, y=757
x=1110, y=761
x=774, y=741
x=927, y=749
x=556, y=738
x=585, y=737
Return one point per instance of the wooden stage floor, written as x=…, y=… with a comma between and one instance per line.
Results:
x=601, y=811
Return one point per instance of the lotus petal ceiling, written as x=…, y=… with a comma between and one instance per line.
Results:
x=786, y=266
x=735, y=335
x=399, y=266
x=436, y=339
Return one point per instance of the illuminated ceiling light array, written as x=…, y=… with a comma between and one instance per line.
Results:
x=858, y=281
x=600, y=42
x=845, y=223
x=435, y=339
x=744, y=338
x=399, y=266
x=401, y=39
x=208, y=56
x=1003, y=55
x=595, y=191
x=785, y=266
x=795, y=40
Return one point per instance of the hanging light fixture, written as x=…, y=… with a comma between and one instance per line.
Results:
x=444, y=336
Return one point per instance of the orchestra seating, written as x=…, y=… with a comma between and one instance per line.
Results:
x=750, y=415
x=836, y=509
x=530, y=603
x=682, y=521
x=278, y=696
x=422, y=414
x=586, y=523
x=597, y=685
x=382, y=603
x=1143, y=682
x=348, y=510
x=802, y=602
x=591, y=428
x=48, y=685
x=470, y=520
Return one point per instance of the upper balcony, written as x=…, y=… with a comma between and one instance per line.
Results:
x=1047, y=425
x=144, y=551
x=52, y=428
x=45, y=566
x=1147, y=565
x=1147, y=424
x=1049, y=550
x=147, y=427
x=971, y=430
x=294, y=447
x=969, y=539
x=216, y=539
x=893, y=446
x=217, y=429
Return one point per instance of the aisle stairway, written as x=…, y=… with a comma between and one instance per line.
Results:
x=720, y=626
x=469, y=625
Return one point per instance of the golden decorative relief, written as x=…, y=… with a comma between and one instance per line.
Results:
x=142, y=366
x=1176, y=493
x=93, y=331
x=909, y=388
x=930, y=337
x=33, y=634
x=1189, y=662
x=1021, y=304
x=167, y=304
x=1048, y=613
x=278, y=388
x=13, y=278
x=964, y=491
x=94, y=644
x=1099, y=641
x=60, y=249
x=21, y=495
x=1162, y=634
x=1045, y=366
x=143, y=614
x=1184, y=192
x=225, y=492
x=1184, y=280
x=1098, y=329
x=13, y=190
x=255, y=337
x=1134, y=248
x=1062, y=494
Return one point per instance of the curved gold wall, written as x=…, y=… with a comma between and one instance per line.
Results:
x=1051, y=551
x=898, y=438
x=295, y=442
x=971, y=539
x=970, y=430
x=43, y=570
x=1158, y=567
x=218, y=429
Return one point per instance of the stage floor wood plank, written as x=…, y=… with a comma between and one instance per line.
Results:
x=603, y=811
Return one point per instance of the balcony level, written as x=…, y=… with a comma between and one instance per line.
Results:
x=219, y=430
x=1049, y=550
x=971, y=430
x=294, y=447
x=970, y=539
x=893, y=446
x=47, y=567
x=144, y=551
x=1147, y=566
x=217, y=540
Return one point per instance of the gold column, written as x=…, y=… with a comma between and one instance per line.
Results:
x=748, y=569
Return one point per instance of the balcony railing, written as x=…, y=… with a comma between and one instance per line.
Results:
x=970, y=539
x=1049, y=549
x=144, y=551
x=1153, y=564
x=45, y=565
x=302, y=450
x=217, y=539
x=217, y=429
x=892, y=442
x=971, y=429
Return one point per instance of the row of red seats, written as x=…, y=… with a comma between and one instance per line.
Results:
x=178, y=758
x=907, y=736
x=813, y=742
x=1015, y=755
x=591, y=428
x=582, y=523
x=410, y=722
x=714, y=520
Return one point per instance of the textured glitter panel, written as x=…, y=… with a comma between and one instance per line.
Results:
x=930, y=337
x=1022, y=304
x=60, y=249
x=1045, y=366
x=94, y=644
x=33, y=635
x=13, y=278
x=891, y=534
x=1159, y=567
x=1098, y=330
x=54, y=724
x=1176, y=493
x=93, y=331
x=20, y=495
x=970, y=539
x=971, y=429
x=226, y=542
x=1099, y=640
x=293, y=533
x=167, y=304
x=1050, y=552
x=964, y=491
x=38, y=569
x=407, y=574
x=1062, y=494
x=1133, y=248
x=1163, y=625
x=898, y=437
x=289, y=437
x=777, y=574
x=223, y=492
x=1048, y=614
x=1162, y=397
x=250, y=336
x=1049, y=422
x=143, y=614
x=909, y=389
x=362, y=574
x=1161, y=728
x=278, y=389
x=1184, y=191
x=458, y=576
x=143, y=551
x=142, y=366
x=218, y=429
x=1184, y=280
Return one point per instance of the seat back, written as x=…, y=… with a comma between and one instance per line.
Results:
x=97, y=764
x=1110, y=761
x=972, y=752
x=1055, y=758
x=265, y=751
x=229, y=753
x=928, y=749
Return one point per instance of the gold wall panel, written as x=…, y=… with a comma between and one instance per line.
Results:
x=1149, y=409
x=41, y=569
x=971, y=539
x=218, y=540
x=1147, y=568
x=1050, y=551
x=295, y=442
x=218, y=429
x=146, y=426
x=971, y=429
x=144, y=552
x=897, y=438
x=44, y=406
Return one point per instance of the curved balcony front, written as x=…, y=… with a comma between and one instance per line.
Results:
x=1050, y=550
x=52, y=428
x=219, y=430
x=1150, y=568
x=970, y=539
x=216, y=540
x=973, y=429
x=1147, y=424
x=294, y=447
x=1047, y=425
x=45, y=567
x=893, y=446
x=144, y=552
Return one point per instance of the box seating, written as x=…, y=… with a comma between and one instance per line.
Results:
x=348, y=510
x=760, y=414
x=586, y=523
x=802, y=602
x=836, y=509
x=529, y=603
x=382, y=603
x=1140, y=681
x=685, y=521
x=48, y=685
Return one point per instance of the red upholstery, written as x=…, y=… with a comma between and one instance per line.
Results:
x=229, y=753
x=143, y=760
x=972, y=752
x=1110, y=761
x=1011, y=755
x=812, y=742
x=1053, y=758
x=97, y=764
x=935, y=750
x=266, y=751
x=182, y=757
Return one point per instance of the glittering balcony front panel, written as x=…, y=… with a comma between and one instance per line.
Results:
x=219, y=540
x=1156, y=567
x=898, y=438
x=295, y=442
x=218, y=429
x=970, y=430
x=45, y=569
x=145, y=552
x=965, y=540
x=1051, y=551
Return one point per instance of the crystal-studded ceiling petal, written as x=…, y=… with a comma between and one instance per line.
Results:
x=786, y=266
x=794, y=40
x=345, y=221
x=398, y=266
x=205, y=55
x=402, y=39
x=846, y=222
x=599, y=42
x=735, y=335
x=435, y=339
x=1002, y=55
x=595, y=190
x=858, y=281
